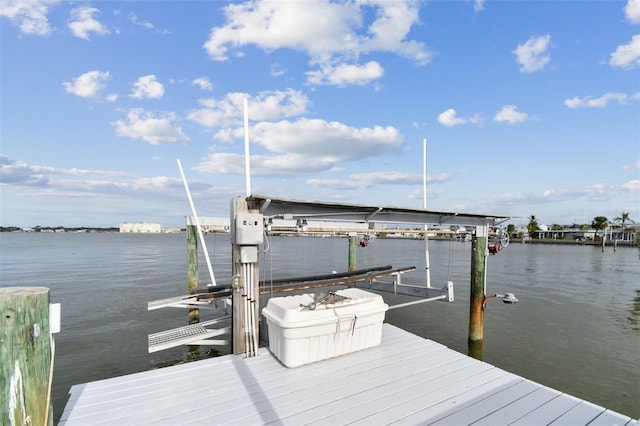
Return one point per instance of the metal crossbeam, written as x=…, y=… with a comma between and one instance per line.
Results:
x=184, y=301
x=426, y=294
x=267, y=288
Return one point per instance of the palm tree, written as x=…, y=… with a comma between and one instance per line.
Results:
x=622, y=219
x=599, y=222
x=532, y=227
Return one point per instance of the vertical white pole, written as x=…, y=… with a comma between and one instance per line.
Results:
x=483, y=231
x=424, y=173
x=247, y=169
x=195, y=216
x=424, y=206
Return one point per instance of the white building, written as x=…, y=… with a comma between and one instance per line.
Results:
x=141, y=227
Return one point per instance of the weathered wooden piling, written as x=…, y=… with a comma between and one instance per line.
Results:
x=477, y=299
x=352, y=254
x=192, y=268
x=25, y=356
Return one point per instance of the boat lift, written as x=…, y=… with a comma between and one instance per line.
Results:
x=257, y=210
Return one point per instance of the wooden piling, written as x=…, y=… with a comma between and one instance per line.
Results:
x=352, y=254
x=476, y=301
x=25, y=356
x=192, y=268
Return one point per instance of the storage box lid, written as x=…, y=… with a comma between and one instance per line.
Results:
x=297, y=311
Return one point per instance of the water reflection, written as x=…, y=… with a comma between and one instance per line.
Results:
x=635, y=313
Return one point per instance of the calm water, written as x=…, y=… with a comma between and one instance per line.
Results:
x=576, y=328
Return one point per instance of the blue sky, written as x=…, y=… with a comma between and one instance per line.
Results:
x=529, y=107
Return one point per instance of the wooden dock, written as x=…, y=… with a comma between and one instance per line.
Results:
x=406, y=380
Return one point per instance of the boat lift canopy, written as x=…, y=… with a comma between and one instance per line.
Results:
x=290, y=209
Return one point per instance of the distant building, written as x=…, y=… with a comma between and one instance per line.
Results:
x=141, y=228
x=610, y=235
x=210, y=224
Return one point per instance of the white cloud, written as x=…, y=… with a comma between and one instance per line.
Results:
x=144, y=125
x=338, y=184
x=276, y=70
x=631, y=186
x=330, y=33
x=597, y=192
x=30, y=15
x=627, y=55
x=337, y=142
x=147, y=87
x=134, y=20
x=593, y=192
x=368, y=180
x=305, y=146
x=203, y=83
x=449, y=118
x=390, y=29
x=632, y=11
x=267, y=105
x=88, y=84
x=531, y=56
x=264, y=165
x=345, y=74
x=602, y=101
x=275, y=25
x=635, y=165
x=82, y=23
x=21, y=173
x=509, y=114
x=389, y=177
x=478, y=5
x=208, y=117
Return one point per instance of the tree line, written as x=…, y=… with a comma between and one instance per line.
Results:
x=598, y=223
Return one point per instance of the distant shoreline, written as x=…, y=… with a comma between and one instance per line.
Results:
x=619, y=243
x=626, y=243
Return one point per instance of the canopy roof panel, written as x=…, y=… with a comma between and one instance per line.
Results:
x=317, y=210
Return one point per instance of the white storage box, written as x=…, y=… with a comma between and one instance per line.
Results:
x=300, y=333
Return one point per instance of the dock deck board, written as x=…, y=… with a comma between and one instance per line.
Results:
x=406, y=380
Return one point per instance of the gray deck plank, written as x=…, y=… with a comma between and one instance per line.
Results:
x=434, y=397
x=581, y=413
x=189, y=385
x=549, y=412
x=519, y=408
x=181, y=382
x=311, y=392
x=405, y=380
x=339, y=382
x=475, y=409
x=347, y=394
x=610, y=418
x=382, y=400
